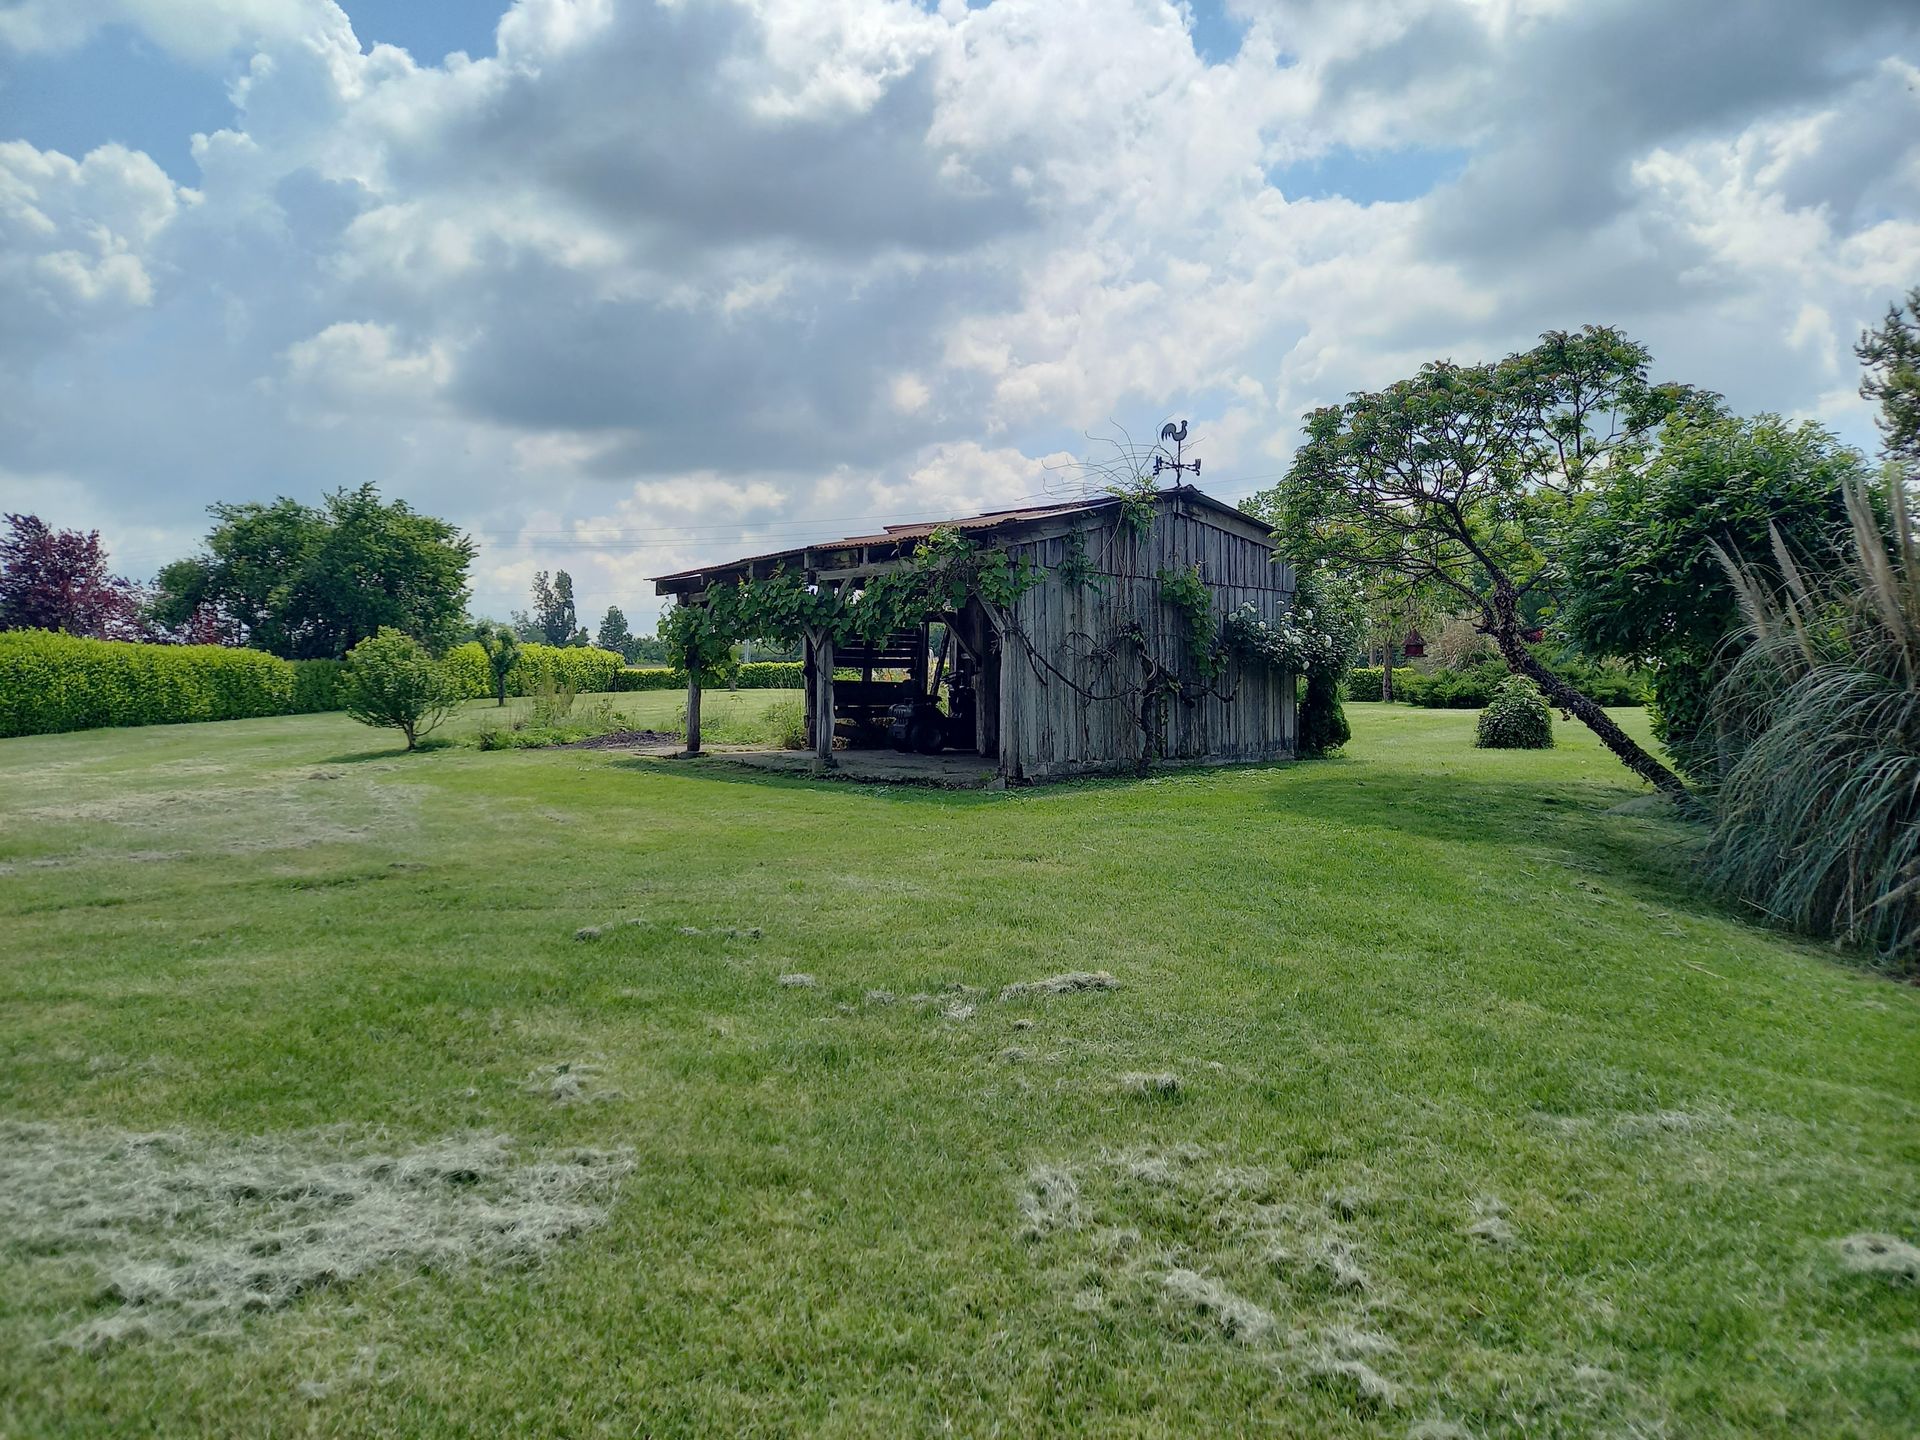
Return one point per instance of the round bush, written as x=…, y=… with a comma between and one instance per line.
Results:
x=1516, y=718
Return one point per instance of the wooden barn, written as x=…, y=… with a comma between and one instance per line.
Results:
x=1089, y=669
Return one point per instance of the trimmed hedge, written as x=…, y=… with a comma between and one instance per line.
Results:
x=760, y=675
x=1473, y=688
x=317, y=687
x=1363, y=681
x=581, y=668
x=51, y=682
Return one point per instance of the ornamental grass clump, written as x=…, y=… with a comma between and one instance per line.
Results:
x=1516, y=718
x=1817, y=820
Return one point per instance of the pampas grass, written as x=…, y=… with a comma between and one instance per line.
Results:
x=1817, y=821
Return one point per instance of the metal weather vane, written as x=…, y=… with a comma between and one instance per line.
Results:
x=1178, y=462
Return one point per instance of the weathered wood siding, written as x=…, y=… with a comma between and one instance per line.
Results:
x=1050, y=729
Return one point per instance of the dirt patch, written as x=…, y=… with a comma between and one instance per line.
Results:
x=193, y=1233
x=621, y=740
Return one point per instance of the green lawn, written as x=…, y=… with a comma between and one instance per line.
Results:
x=1480, y=1116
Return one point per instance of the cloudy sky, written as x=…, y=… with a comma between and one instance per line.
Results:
x=621, y=285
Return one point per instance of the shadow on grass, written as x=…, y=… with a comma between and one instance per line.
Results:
x=1580, y=826
x=719, y=769
x=397, y=752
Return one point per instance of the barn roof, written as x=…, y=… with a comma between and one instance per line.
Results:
x=861, y=554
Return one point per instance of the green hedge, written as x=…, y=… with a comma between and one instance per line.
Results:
x=316, y=686
x=1472, y=688
x=1363, y=681
x=581, y=668
x=760, y=675
x=51, y=682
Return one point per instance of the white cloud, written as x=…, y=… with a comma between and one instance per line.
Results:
x=77, y=242
x=203, y=31
x=662, y=280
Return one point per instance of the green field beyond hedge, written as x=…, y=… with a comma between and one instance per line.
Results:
x=1429, y=1092
x=51, y=683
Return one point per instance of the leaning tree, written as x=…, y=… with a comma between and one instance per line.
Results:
x=1462, y=479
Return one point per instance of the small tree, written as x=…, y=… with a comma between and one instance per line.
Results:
x=1891, y=357
x=1464, y=479
x=1640, y=573
x=503, y=648
x=57, y=580
x=553, y=608
x=614, y=634
x=393, y=684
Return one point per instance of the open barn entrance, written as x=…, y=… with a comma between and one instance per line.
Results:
x=928, y=690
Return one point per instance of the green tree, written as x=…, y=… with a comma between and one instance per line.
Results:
x=502, y=647
x=1643, y=582
x=392, y=683
x=310, y=583
x=1464, y=478
x=1890, y=354
x=553, y=609
x=614, y=634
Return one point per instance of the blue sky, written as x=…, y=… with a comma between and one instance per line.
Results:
x=634, y=286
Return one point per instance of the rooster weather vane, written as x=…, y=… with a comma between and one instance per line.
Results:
x=1178, y=463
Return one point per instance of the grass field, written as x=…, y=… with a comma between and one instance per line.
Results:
x=1431, y=1100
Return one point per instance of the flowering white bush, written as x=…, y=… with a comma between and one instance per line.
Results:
x=1320, y=635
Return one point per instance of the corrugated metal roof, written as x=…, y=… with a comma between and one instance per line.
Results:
x=987, y=520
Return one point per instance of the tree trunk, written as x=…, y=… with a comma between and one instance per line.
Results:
x=693, y=712
x=1386, y=676
x=1521, y=661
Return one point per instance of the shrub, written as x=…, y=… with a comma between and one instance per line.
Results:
x=1323, y=724
x=51, y=682
x=392, y=683
x=1516, y=718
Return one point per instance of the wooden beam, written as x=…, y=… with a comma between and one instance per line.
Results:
x=823, y=700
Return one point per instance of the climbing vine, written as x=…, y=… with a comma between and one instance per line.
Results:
x=1076, y=569
x=945, y=570
x=1136, y=495
x=1186, y=592
x=1316, y=638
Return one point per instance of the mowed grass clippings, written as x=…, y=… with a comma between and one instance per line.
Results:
x=1482, y=1121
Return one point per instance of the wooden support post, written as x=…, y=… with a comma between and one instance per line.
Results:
x=822, y=646
x=1006, y=737
x=693, y=712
